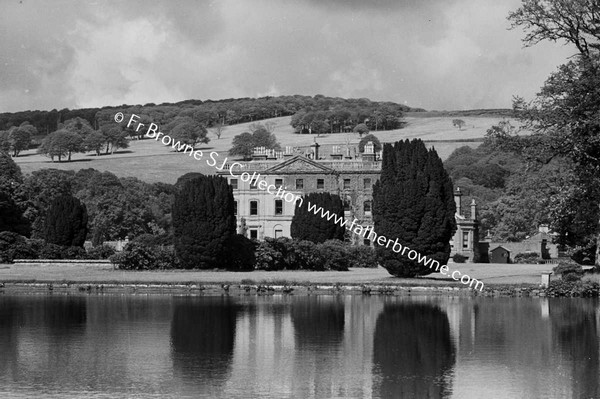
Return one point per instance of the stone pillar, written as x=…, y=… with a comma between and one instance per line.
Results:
x=458, y=200
x=473, y=210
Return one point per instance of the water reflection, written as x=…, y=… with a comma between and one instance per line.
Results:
x=413, y=354
x=576, y=324
x=9, y=333
x=284, y=346
x=202, y=336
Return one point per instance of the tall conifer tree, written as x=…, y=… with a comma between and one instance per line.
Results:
x=413, y=201
x=66, y=222
x=316, y=228
x=203, y=222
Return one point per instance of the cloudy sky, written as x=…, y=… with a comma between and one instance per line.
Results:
x=434, y=54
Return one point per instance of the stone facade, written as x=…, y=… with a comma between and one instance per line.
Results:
x=466, y=237
x=262, y=214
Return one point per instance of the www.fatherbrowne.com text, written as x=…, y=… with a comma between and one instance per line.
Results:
x=279, y=192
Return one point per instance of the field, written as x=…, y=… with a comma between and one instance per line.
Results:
x=152, y=162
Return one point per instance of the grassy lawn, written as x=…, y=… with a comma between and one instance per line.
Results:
x=152, y=162
x=490, y=274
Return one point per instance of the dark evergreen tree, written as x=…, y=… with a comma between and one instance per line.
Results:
x=413, y=201
x=320, y=227
x=11, y=217
x=66, y=222
x=203, y=222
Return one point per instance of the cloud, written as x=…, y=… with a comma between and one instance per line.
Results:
x=433, y=54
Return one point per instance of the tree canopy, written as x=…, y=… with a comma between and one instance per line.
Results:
x=203, y=222
x=564, y=115
x=413, y=201
x=306, y=225
x=66, y=222
x=372, y=138
x=243, y=144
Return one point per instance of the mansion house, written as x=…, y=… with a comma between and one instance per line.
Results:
x=261, y=214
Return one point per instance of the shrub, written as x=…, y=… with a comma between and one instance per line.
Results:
x=586, y=288
x=13, y=246
x=303, y=255
x=50, y=251
x=569, y=271
x=240, y=254
x=362, y=256
x=268, y=256
x=151, y=240
x=73, y=253
x=101, y=252
x=527, y=257
x=136, y=256
x=334, y=255
x=458, y=258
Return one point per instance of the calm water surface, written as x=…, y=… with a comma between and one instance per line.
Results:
x=55, y=346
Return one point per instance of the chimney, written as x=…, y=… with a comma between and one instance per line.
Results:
x=473, y=210
x=458, y=200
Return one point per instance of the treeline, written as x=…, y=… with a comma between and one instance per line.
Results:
x=116, y=208
x=340, y=113
x=336, y=115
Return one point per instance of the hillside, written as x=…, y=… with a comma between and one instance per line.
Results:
x=151, y=162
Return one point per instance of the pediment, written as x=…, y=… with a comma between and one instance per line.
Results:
x=298, y=164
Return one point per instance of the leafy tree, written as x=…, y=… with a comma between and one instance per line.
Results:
x=94, y=142
x=66, y=222
x=61, y=143
x=361, y=129
x=42, y=188
x=10, y=174
x=459, y=123
x=11, y=216
x=187, y=130
x=369, y=137
x=77, y=125
x=19, y=138
x=413, y=202
x=306, y=225
x=243, y=144
x=203, y=222
x=564, y=115
x=114, y=137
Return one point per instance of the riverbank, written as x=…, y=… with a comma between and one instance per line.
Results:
x=507, y=279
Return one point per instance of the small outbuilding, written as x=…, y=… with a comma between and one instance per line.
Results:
x=500, y=255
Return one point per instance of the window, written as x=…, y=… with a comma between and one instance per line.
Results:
x=367, y=242
x=465, y=238
x=346, y=205
x=346, y=184
x=234, y=208
x=279, y=207
x=278, y=233
x=299, y=184
x=233, y=183
x=278, y=183
x=320, y=184
x=253, y=184
x=254, y=234
x=253, y=207
x=367, y=207
x=367, y=184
